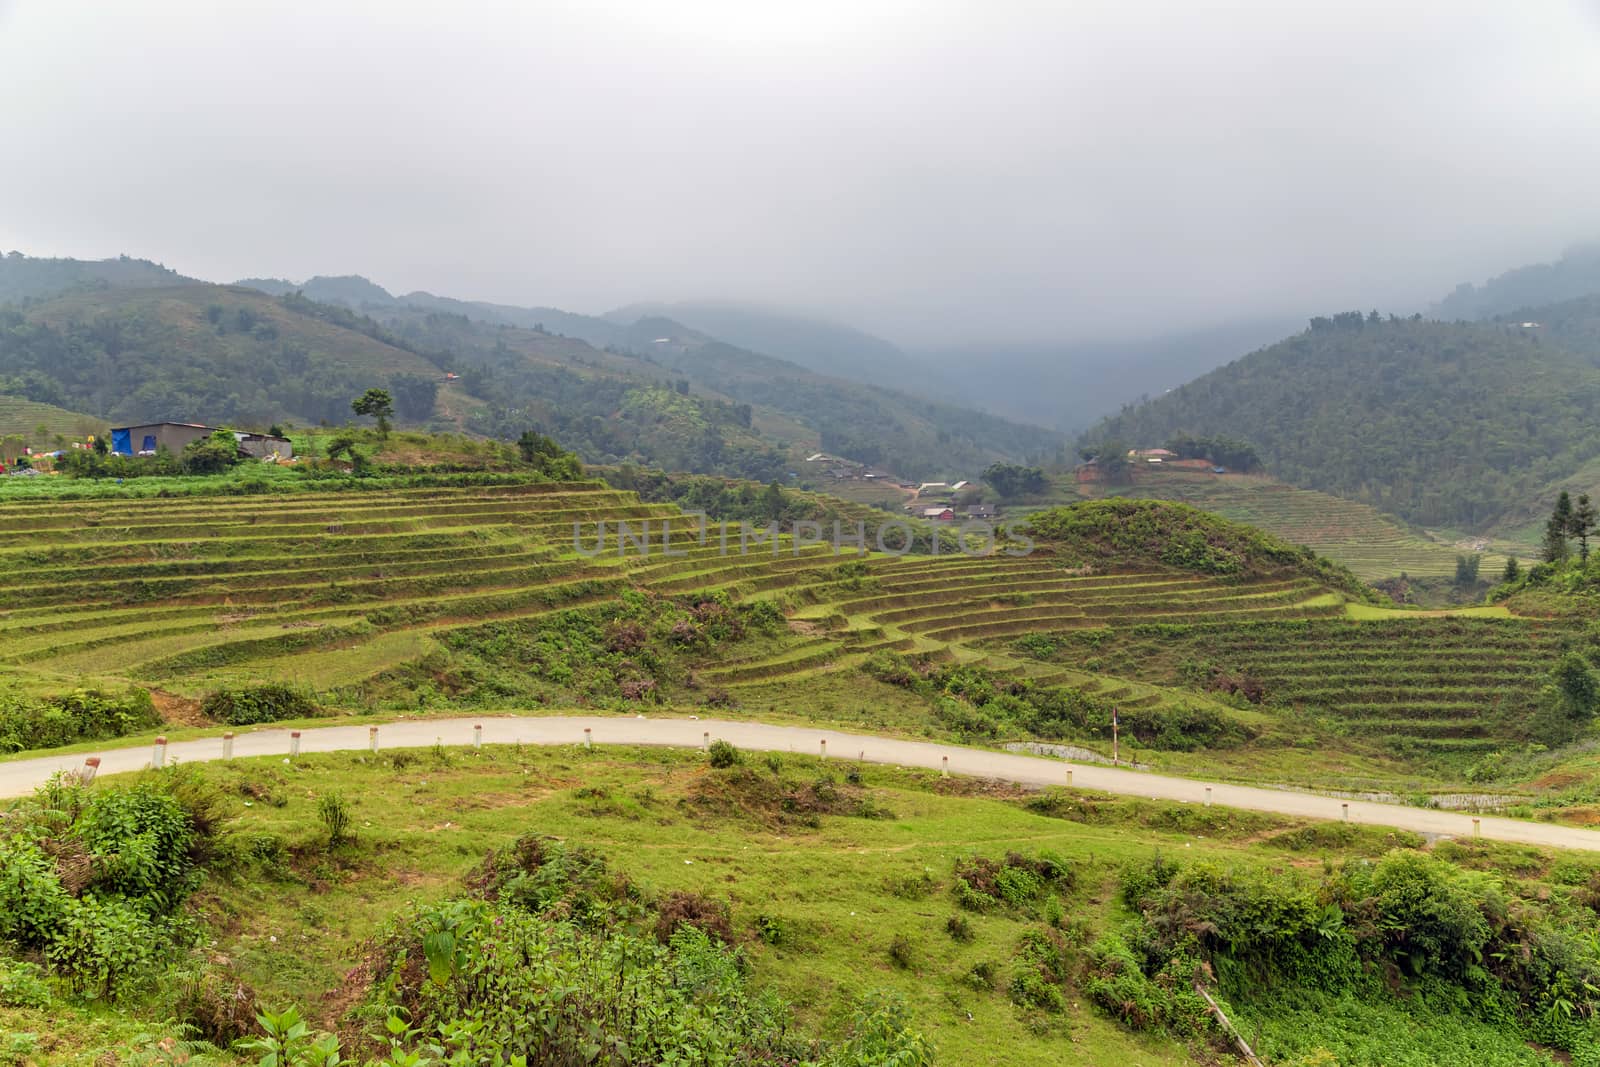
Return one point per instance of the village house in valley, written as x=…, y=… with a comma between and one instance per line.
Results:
x=175, y=436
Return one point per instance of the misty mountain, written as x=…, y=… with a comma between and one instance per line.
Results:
x=910, y=435
x=1068, y=386
x=27, y=278
x=815, y=343
x=1444, y=424
x=1575, y=274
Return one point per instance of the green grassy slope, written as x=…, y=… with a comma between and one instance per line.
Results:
x=23, y=418
x=1372, y=544
x=838, y=881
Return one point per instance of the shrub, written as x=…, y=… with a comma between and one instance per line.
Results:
x=724, y=755
x=958, y=928
x=142, y=841
x=771, y=930
x=335, y=815
x=22, y=985
x=32, y=901
x=84, y=715
x=258, y=704
x=881, y=1036
x=217, y=1005
x=100, y=943
x=902, y=953
x=705, y=914
x=1042, y=967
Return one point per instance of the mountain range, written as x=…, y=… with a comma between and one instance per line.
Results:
x=129, y=340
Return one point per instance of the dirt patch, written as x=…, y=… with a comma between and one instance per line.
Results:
x=180, y=711
x=993, y=788
x=1558, y=780
x=806, y=627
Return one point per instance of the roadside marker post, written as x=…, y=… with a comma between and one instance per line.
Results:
x=294, y=742
x=227, y=745
x=90, y=767
x=477, y=736
x=372, y=739
x=158, y=758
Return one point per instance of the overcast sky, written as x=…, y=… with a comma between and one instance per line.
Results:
x=935, y=171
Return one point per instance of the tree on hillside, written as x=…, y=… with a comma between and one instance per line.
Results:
x=1011, y=480
x=1582, y=525
x=1513, y=570
x=772, y=501
x=1467, y=570
x=546, y=454
x=1557, y=530
x=1112, y=459
x=211, y=455
x=414, y=396
x=377, y=404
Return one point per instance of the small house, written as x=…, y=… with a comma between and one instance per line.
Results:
x=176, y=436
x=980, y=511
x=939, y=514
x=1152, y=454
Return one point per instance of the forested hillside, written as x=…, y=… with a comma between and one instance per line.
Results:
x=198, y=352
x=816, y=344
x=1441, y=424
x=1575, y=274
x=24, y=278
x=655, y=393
x=784, y=402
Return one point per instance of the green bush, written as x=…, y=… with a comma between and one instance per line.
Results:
x=84, y=715
x=22, y=985
x=92, y=879
x=100, y=943
x=258, y=704
x=724, y=755
x=32, y=901
x=334, y=812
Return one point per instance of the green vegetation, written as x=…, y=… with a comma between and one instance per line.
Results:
x=828, y=913
x=1175, y=535
x=30, y=721
x=1458, y=423
x=752, y=914
x=1373, y=545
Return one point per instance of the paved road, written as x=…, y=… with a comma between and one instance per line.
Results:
x=20, y=777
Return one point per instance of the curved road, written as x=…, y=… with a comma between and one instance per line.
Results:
x=19, y=778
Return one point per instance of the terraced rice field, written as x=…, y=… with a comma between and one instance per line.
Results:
x=329, y=588
x=1370, y=543
x=1436, y=685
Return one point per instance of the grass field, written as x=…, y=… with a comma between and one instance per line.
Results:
x=24, y=418
x=825, y=905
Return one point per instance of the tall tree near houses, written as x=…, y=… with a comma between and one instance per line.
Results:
x=380, y=405
x=1558, y=529
x=1583, y=524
